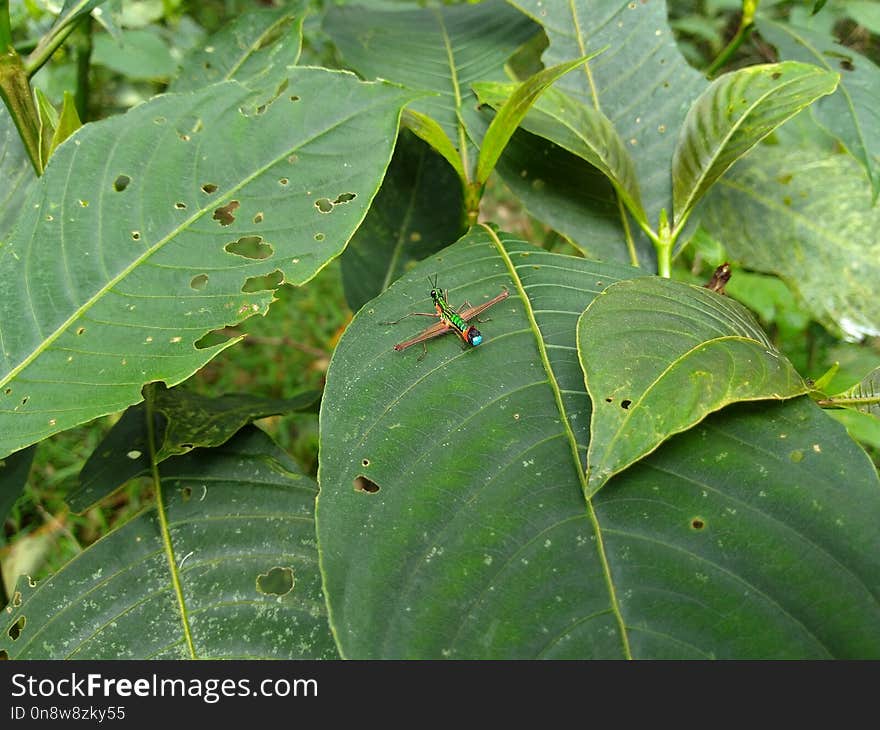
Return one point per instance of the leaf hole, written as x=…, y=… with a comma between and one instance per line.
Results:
x=250, y=247
x=276, y=582
x=324, y=205
x=16, y=628
x=81, y=330
x=625, y=403
x=180, y=206
x=344, y=198
x=183, y=137
x=262, y=283
x=365, y=462
x=283, y=181
x=258, y=218
x=319, y=236
x=186, y=493
x=225, y=214
x=16, y=599
x=262, y=108
x=8, y=391
x=294, y=97
x=199, y=282
x=135, y=235
x=362, y=484
x=212, y=339
x=4, y=657
x=847, y=65
x=775, y=75
x=25, y=400
x=609, y=399
x=83, y=203
x=209, y=188
x=698, y=523
x=121, y=183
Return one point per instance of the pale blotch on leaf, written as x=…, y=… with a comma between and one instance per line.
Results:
x=277, y=581
x=134, y=454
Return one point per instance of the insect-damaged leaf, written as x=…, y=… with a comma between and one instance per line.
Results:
x=233, y=557
x=119, y=264
x=183, y=420
x=659, y=356
x=453, y=496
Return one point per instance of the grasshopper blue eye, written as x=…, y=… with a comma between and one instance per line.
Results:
x=474, y=336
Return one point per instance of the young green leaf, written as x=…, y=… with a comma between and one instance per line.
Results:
x=736, y=112
x=518, y=98
x=581, y=130
x=428, y=130
x=453, y=501
x=241, y=534
x=187, y=207
x=659, y=356
x=853, y=113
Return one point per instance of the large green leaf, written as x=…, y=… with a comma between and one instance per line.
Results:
x=853, y=113
x=658, y=357
x=242, y=534
x=642, y=83
x=806, y=215
x=581, y=130
x=453, y=522
x=864, y=396
x=418, y=210
x=16, y=173
x=443, y=50
x=736, y=112
x=182, y=421
x=258, y=49
x=151, y=229
x=137, y=54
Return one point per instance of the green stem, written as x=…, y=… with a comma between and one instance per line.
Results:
x=83, y=64
x=16, y=93
x=5, y=27
x=746, y=24
x=4, y=596
x=51, y=42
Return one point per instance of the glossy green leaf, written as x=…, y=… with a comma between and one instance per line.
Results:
x=658, y=357
x=806, y=215
x=418, y=211
x=238, y=516
x=512, y=103
x=736, y=112
x=581, y=130
x=452, y=516
x=14, y=470
x=16, y=172
x=259, y=48
x=642, y=83
x=150, y=228
x=68, y=121
x=443, y=50
x=139, y=54
x=183, y=420
x=853, y=113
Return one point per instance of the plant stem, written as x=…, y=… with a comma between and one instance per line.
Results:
x=5, y=27
x=83, y=64
x=16, y=93
x=746, y=24
x=51, y=42
x=4, y=596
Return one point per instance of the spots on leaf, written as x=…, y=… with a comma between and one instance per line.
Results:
x=225, y=214
x=121, y=183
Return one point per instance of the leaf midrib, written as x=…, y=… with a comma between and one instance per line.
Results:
x=572, y=440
